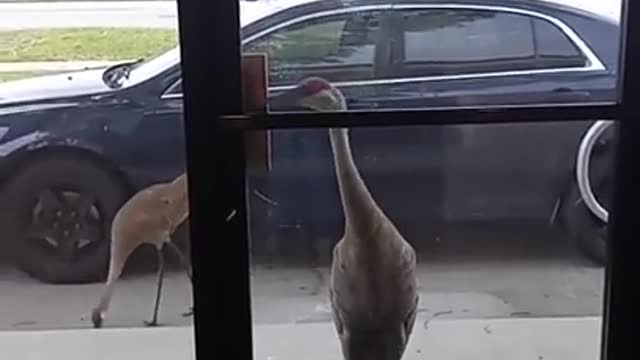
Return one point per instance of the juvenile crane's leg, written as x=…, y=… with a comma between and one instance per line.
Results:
x=120, y=251
x=154, y=319
x=184, y=262
x=185, y=265
x=97, y=314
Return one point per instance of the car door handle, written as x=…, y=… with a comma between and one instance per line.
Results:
x=571, y=92
x=358, y=104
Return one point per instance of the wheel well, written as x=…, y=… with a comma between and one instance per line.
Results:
x=19, y=161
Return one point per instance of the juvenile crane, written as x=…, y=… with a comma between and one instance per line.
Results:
x=373, y=286
x=150, y=216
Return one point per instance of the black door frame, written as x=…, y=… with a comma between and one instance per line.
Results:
x=210, y=50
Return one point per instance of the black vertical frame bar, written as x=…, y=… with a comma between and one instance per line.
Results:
x=621, y=316
x=210, y=51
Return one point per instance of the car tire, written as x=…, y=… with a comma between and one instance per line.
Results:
x=586, y=232
x=68, y=180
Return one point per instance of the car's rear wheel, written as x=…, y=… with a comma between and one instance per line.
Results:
x=58, y=217
x=587, y=233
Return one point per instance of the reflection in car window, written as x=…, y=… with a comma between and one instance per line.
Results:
x=338, y=48
x=459, y=41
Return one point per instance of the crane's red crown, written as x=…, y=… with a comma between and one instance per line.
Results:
x=313, y=85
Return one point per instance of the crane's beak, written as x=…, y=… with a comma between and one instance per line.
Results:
x=325, y=100
x=287, y=100
x=296, y=99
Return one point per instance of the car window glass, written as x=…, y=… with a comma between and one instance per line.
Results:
x=554, y=48
x=338, y=48
x=452, y=42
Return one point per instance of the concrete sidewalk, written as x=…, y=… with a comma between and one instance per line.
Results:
x=474, y=339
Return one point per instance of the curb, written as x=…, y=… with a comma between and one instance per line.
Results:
x=463, y=339
x=54, y=65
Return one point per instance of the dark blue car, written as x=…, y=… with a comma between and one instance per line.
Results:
x=75, y=146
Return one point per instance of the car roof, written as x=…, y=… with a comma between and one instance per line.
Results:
x=252, y=11
x=600, y=9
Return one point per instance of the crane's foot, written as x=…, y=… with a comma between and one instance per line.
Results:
x=96, y=319
x=152, y=323
x=188, y=313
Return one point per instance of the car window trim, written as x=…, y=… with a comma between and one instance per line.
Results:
x=393, y=81
x=594, y=63
x=172, y=96
x=168, y=92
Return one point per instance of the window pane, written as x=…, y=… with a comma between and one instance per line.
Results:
x=476, y=42
x=84, y=128
x=510, y=257
x=554, y=48
x=418, y=55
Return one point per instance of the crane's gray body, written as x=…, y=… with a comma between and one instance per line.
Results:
x=373, y=287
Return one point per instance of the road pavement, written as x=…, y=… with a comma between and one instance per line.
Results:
x=154, y=14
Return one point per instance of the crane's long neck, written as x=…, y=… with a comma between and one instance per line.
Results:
x=362, y=214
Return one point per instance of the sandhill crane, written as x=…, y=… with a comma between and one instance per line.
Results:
x=150, y=216
x=373, y=286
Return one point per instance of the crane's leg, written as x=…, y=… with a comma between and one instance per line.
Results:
x=154, y=319
x=97, y=314
x=185, y=265
x=120, y=251
x=184, y=262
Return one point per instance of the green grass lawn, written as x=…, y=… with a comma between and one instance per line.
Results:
x=84, y=44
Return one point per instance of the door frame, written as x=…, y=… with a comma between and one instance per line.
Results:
x=215, y=123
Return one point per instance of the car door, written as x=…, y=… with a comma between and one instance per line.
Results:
x=156, y=143
x=495, y=56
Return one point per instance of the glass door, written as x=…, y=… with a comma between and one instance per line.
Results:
x=431, y=180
